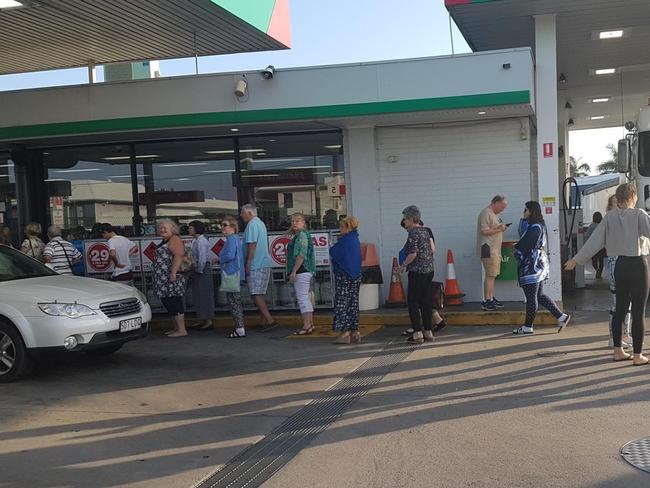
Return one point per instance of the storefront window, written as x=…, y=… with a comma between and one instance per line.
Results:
x=295, y=173
x=90, y=185
x=187, y=180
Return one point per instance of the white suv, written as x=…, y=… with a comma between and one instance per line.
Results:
x=42, y=310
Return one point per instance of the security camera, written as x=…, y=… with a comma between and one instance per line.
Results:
x=240, y=88
x=629, y=125
x=268, y=72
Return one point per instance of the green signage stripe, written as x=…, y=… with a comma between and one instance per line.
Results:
x=254, y=12
x=269, y=115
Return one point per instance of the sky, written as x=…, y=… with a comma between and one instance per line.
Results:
x=333, y=32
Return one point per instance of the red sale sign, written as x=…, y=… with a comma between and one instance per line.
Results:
x=278, y=249
x=98, y=258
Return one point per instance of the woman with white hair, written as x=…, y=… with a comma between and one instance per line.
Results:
x=168, y=278
x=59, y=254
x=419, y=264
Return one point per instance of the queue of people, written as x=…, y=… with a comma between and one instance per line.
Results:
x=622, y=236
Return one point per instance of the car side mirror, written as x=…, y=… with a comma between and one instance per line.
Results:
x=623, y=165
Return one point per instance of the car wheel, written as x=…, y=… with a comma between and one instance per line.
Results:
x=105, y=350
x=14, y=358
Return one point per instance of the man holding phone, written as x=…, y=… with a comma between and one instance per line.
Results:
x=489, y=237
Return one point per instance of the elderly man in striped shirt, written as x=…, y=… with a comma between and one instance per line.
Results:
x=59, y=254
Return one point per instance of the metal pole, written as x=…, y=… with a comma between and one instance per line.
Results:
x=196, y=56
x=451, y=36
x=137, y=218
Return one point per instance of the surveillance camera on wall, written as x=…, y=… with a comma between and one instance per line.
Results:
x=268, y=72
x=240, y=88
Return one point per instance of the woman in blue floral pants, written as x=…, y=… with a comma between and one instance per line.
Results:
x=346, y=261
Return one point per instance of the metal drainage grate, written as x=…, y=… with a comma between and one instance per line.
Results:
x=637, y=453
x=259, y=462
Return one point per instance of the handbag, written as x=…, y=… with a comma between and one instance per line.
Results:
x=230, y=283
x=187, y=263
x=438, y=289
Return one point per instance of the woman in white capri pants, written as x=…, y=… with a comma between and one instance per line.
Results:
x=301, y=266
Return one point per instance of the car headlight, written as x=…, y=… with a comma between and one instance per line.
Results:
x=141, y=296
x=70, y=310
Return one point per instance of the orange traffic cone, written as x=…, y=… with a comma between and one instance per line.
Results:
x=453, y=295
x=396, y=297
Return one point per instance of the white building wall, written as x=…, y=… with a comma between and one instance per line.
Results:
x=363, y=181
x=452, y=173
x=412, y=79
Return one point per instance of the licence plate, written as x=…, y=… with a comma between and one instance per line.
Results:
x=130, y=324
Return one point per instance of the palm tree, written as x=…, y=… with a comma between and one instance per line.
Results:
x=578, y=169
x=611, y=165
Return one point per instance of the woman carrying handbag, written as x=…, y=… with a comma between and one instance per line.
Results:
x=231, y=260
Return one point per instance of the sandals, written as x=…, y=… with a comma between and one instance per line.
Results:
x=344, y=338
x=204, y=327
x=304, y=331
x=415, y=340
x=428, y=336
x=235, y=335
x=439, y=326
x=625, y=358
x=408, y=332
x=355, y=337
x=647, y=361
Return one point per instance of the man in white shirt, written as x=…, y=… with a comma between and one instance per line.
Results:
x=120, y=249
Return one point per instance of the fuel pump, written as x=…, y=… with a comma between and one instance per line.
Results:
x=571, y=233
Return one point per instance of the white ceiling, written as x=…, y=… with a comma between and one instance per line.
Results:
x=509, y=23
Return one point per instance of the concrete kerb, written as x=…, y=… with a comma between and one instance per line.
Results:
x=380, y=317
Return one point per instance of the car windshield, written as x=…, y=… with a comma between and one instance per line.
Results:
x=14, y=265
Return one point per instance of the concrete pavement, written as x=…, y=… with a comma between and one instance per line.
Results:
x=479, y=408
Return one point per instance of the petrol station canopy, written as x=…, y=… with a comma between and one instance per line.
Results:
x=611, y=35
x=38, y=35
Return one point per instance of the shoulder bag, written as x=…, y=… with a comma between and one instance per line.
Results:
x=231, y=283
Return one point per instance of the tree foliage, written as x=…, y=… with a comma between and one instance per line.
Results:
x=611, y=165
x=577, y=168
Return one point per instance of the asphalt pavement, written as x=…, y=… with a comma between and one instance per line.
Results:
x=478, y=408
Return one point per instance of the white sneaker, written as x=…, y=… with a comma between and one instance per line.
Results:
x=562, y=322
